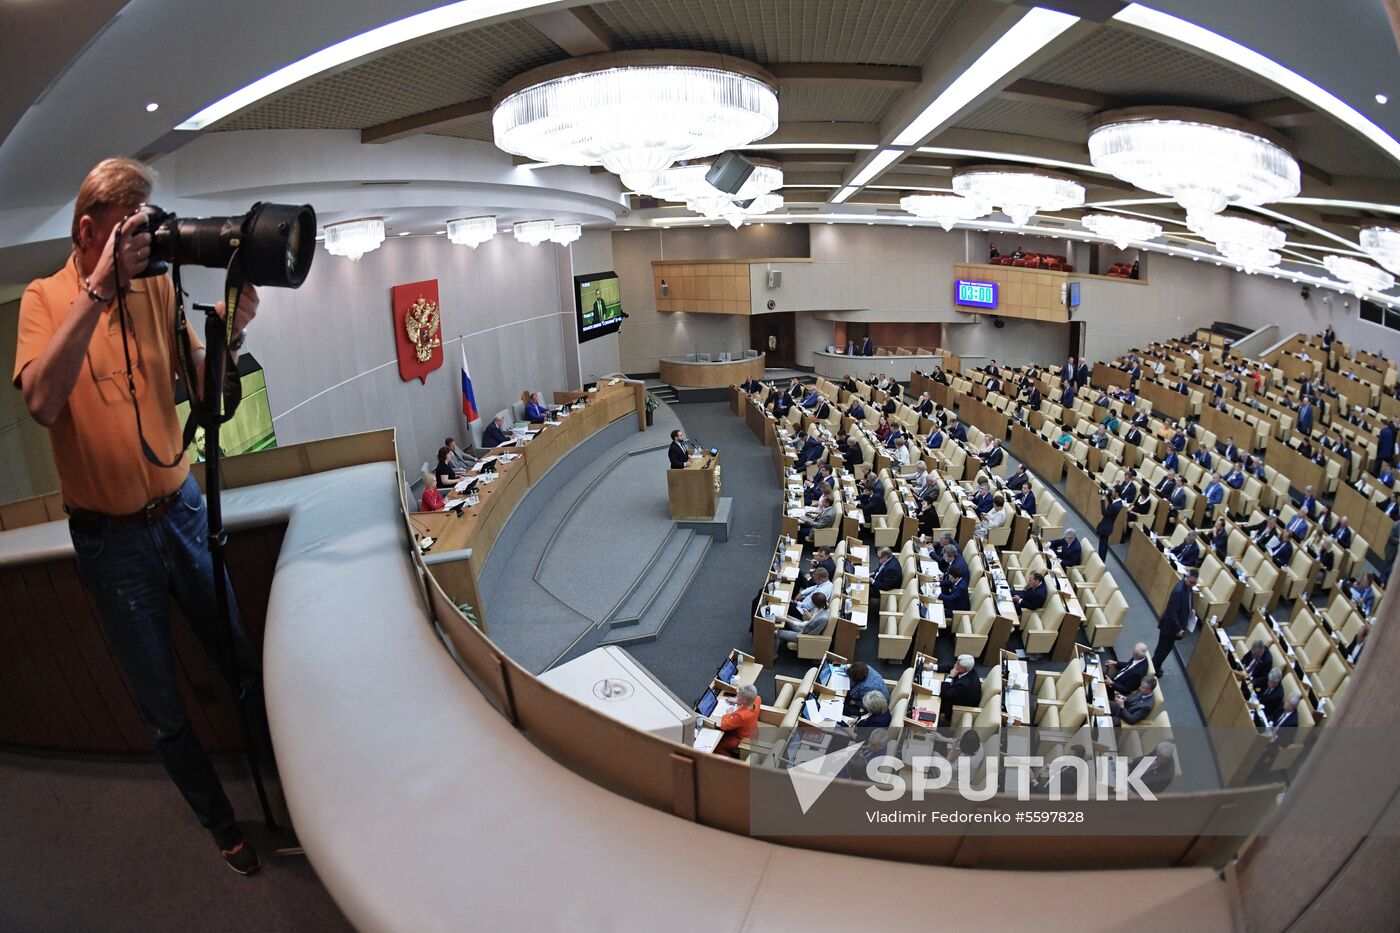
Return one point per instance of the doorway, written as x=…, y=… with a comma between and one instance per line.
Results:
x=776, y=335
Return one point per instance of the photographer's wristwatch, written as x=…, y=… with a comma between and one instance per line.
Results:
x=237, y=343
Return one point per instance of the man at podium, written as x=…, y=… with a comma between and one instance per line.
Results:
x=677, y=452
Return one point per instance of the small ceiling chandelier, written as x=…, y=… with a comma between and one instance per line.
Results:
x=533, y=232
x=1251, y=259
x=945, y=209
x=1019, y=192
x=1383, y=245
x=1205, y=160
x=736, y=213
x=636, y=112
x=353, y=238
x=471, y=231
x=1361, y=276
x=1121, y=230
x=1247, y=243
x=564, y=234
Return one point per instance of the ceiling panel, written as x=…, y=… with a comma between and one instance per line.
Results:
x=1028, y=119
x=1138, y=69
x=1336, y=149
x=806, y=103
x=872, y=32
x=434, y=74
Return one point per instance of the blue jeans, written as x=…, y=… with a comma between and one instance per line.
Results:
x=131, y=572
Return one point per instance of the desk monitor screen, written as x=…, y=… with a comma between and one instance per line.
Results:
x=251, y=427
x=598, y=304
x=825, y=674
x=714, y=451
x=811, y=708
x=726, y=671
x=707, y=703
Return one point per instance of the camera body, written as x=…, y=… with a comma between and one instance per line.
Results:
x=274, y=243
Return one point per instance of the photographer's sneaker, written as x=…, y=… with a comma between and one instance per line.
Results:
x=242, y=858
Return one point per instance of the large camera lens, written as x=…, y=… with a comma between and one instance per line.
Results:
x=275, y=242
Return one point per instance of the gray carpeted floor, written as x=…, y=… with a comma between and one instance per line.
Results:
x=111, y=846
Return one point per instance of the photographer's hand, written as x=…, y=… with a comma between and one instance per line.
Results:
x=135, y=254
x=247, y=310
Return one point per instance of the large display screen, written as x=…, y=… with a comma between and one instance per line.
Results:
x=598, y=302
x=975, y=294
x=251, y=426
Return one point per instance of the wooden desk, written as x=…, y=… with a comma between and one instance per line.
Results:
x=1170, y=403
x=1150, y=571
x=1238, y=744
x=694, y=490
x=1039, y=456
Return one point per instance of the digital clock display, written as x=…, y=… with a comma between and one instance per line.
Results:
x=975, y=294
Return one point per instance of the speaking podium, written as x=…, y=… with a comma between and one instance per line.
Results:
x=694, y=489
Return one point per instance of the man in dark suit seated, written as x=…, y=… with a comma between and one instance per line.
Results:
x=1131, y=672
x=1191, y=551
x=1257, y=664
x=851, y=453
x=1160, y=772
x=888, y=575
x=953, y=591
x=536, y=411
x=962, y=687
x=1136, y=706
x=1284, y=728
x=1272, y=696
x=750, y=385
x=1069, y=548
x=957, y=430
x=1035, y=593
x=1282, y=552
x=810, y=452
x=495, y=434
x=677, y=453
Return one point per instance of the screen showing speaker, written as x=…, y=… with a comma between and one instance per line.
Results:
x=251, y=426
x=598, y=302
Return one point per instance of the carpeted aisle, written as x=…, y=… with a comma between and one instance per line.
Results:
x=111, y=846
x=713, y=617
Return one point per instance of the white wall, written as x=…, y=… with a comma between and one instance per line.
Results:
x=328, y=347
x=1259, y=300
x=592, y=253
x=649, y=335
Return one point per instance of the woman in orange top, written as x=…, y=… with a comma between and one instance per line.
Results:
x=741, y=722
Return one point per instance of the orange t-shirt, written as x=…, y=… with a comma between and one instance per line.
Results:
x=739, y=725
x=100, y=463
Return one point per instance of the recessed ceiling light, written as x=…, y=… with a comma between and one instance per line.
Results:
x=441, y=233
x=1382, y=99
x=152, y=107
x=404, y=233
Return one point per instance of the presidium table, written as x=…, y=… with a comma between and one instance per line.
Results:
x=694, y=489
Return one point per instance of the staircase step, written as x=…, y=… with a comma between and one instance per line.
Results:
x=657, y=572
x=658, y=612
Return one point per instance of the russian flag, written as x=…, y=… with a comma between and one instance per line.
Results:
x=468, y=396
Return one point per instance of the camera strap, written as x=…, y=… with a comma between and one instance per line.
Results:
x=226, y=397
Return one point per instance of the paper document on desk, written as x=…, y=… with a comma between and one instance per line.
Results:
x=707, y=739
x=461, y=487
x=452, y=504
x=789, y=573
x=839, y=680
x=830, y=709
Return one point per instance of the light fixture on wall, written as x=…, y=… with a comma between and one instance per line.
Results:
x=1360, y=277
x=564, y=234
x=1383, y=245
x=533, y=232
x=353, y=238
x=635, y=112
x=1121, y=230
x=944, y=209
x=1018, y=190
x=471, y=231
x=1205, y=160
